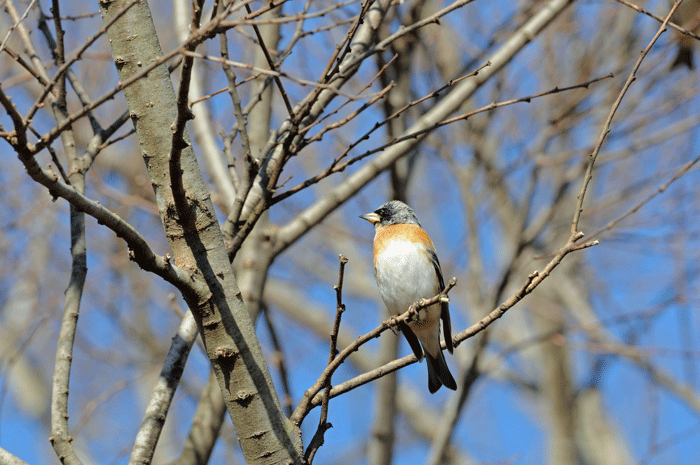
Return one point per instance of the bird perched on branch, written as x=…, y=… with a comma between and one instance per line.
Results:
x=407, y=270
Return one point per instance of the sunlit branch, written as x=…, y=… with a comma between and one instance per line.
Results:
x=608, y=122
x=279, y=359
x=202, y=34
x=17, y=22
x=139, y=249
x=267, y=72
x=660, y=19
x=312, y=215
x=65, y=66
x=660, y=190
x=271, y=64
x=164, y=391
x=311, y=396
x=336, y=167
x=377, y=95
x=323, y=425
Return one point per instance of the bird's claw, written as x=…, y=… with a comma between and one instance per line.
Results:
x=393, y=324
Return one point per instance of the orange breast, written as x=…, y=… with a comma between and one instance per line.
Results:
x=406, y=232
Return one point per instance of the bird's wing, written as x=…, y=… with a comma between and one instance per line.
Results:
x=445, y=306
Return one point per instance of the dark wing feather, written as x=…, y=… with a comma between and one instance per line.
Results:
x=445, y=307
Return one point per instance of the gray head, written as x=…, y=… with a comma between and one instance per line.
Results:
x=393, y=212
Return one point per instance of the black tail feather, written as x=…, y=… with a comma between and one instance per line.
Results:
x=439, y=374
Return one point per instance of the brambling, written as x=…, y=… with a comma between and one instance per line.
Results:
x=407, y=270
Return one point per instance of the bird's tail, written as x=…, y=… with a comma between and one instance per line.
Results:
x=438, y=373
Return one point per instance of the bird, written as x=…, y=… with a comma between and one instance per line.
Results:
x=407, y=269
x=687, y=16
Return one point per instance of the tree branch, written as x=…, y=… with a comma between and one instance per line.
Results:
x=323, y=425
x=163, y=392
x=292, y=231
x=311, y=396
x=608, y=122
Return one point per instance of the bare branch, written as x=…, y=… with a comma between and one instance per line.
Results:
x=292, y=231
x=323, y=425
x=337, y=167
x=271, y=64
x=139, y=250
x=660, y=19
x=9, y=459
x=164, y=391
x=206, y=425
x=311, y=395
x=65, y=66
x=608, y=122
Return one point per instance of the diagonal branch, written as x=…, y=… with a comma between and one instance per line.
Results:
x=292, y=231
x=635, y=208
x=608, y=122
x=64, y=67
x=660, y=19
x=271, y=64
x=311, y=396
x=337, y=167
x=530, y=284
x=163, y=392
x=211, y=28
x=10, y=459
x=139, y=250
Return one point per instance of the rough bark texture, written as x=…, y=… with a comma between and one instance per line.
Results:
x=194, y=236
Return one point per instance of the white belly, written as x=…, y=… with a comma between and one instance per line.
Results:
x=406, y=276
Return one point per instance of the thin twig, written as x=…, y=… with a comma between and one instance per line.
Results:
x=379, y=47
x=295, y=18
x=23, y=63
x=299, y=31
x=77, y=17
x=245, y=182
x=202, y=34
x=13, y=26
x=60, y=438
x=323, y=424
x=357, y=94
x=684, y=169
x=306, y=106
x=606, y=126
x=336, y=59
x=139, y=249
x=335, y=167
x=271, y=64
x=184, y=114
x=272, y=73
x=18, y=137
x=65, y=66
x=311, y=394
x=660, y=19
